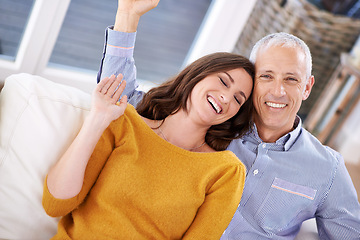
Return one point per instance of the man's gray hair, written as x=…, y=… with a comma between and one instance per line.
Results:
x=285, y=40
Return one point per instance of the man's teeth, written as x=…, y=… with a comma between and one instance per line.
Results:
x=215, y=106
x=275, y=105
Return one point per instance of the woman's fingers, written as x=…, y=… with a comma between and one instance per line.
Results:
x=119, y=91
x=116, y=88
x=112, y=87
x=101, y=84
x=105, y=84
x=122, y=103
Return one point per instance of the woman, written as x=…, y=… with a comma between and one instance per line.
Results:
x=140, y=178
x=157, y=172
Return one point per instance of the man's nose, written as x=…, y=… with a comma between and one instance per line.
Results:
x=278, y=88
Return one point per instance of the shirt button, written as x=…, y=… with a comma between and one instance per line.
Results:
x=256, y=171
x=264, y=145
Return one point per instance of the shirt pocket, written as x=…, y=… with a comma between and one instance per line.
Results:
x=283, y=204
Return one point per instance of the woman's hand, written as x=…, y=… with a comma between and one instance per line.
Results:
x=105, y=99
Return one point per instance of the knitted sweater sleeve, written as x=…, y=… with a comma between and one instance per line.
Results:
x=221, y=202
x=60, y=207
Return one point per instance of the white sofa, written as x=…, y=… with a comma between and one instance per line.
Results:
x=38, y=120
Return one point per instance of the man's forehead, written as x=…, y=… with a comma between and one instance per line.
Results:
x=281, y=60
x=280, y=55
x=293, y=49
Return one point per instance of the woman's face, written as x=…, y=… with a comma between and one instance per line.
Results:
x=218, y=97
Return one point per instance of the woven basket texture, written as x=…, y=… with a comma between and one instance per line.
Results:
x=326, y=34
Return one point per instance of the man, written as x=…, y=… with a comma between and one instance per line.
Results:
x=291, y=176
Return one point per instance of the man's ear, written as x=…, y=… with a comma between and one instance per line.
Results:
x=308, y=87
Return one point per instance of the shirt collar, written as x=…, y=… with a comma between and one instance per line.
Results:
x=282, y=144
x=293, y=134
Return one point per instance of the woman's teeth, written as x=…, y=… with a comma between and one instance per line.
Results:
x=214, y=105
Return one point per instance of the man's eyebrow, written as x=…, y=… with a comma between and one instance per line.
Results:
x=292, y=73
x=232, y=80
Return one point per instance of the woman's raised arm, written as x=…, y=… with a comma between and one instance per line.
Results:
x=65, y=178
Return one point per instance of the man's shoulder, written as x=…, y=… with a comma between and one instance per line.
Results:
x=312, y=144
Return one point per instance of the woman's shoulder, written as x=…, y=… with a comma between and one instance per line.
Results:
x=229, y=156
x=224, y=158
x=129, y=118
x=130, y=114
x=133, y=115
x=225, y=163
x=131, y=111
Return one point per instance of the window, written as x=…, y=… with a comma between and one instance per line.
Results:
x=165, y=35
x=62, y=40
x=13, y=19
x=81, y=38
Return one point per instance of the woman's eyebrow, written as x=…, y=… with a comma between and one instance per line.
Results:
x=231, y=79
x=242, y=94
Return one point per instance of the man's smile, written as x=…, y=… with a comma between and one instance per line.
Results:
x=275, y=105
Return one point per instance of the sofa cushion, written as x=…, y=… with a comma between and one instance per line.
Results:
x=38, y=121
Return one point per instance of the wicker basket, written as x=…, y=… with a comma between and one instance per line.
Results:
x=326, y=34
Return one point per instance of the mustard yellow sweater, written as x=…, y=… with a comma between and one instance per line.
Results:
x=138, y=186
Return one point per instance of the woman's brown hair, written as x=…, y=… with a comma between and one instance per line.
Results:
x=171, y=96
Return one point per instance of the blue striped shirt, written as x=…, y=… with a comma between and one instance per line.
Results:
x=289, y=181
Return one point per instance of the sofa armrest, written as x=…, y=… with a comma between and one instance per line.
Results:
x=38, y=121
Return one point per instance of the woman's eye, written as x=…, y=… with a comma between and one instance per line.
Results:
x=237, y=100
x=223, y=82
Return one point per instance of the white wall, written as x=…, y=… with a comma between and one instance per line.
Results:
x=221, y=28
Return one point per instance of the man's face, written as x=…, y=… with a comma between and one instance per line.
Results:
x=280, y=87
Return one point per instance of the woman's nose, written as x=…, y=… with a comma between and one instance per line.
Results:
x=224, y=98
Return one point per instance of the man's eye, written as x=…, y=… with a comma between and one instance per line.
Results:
x=265, y=76
x=292, y=79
